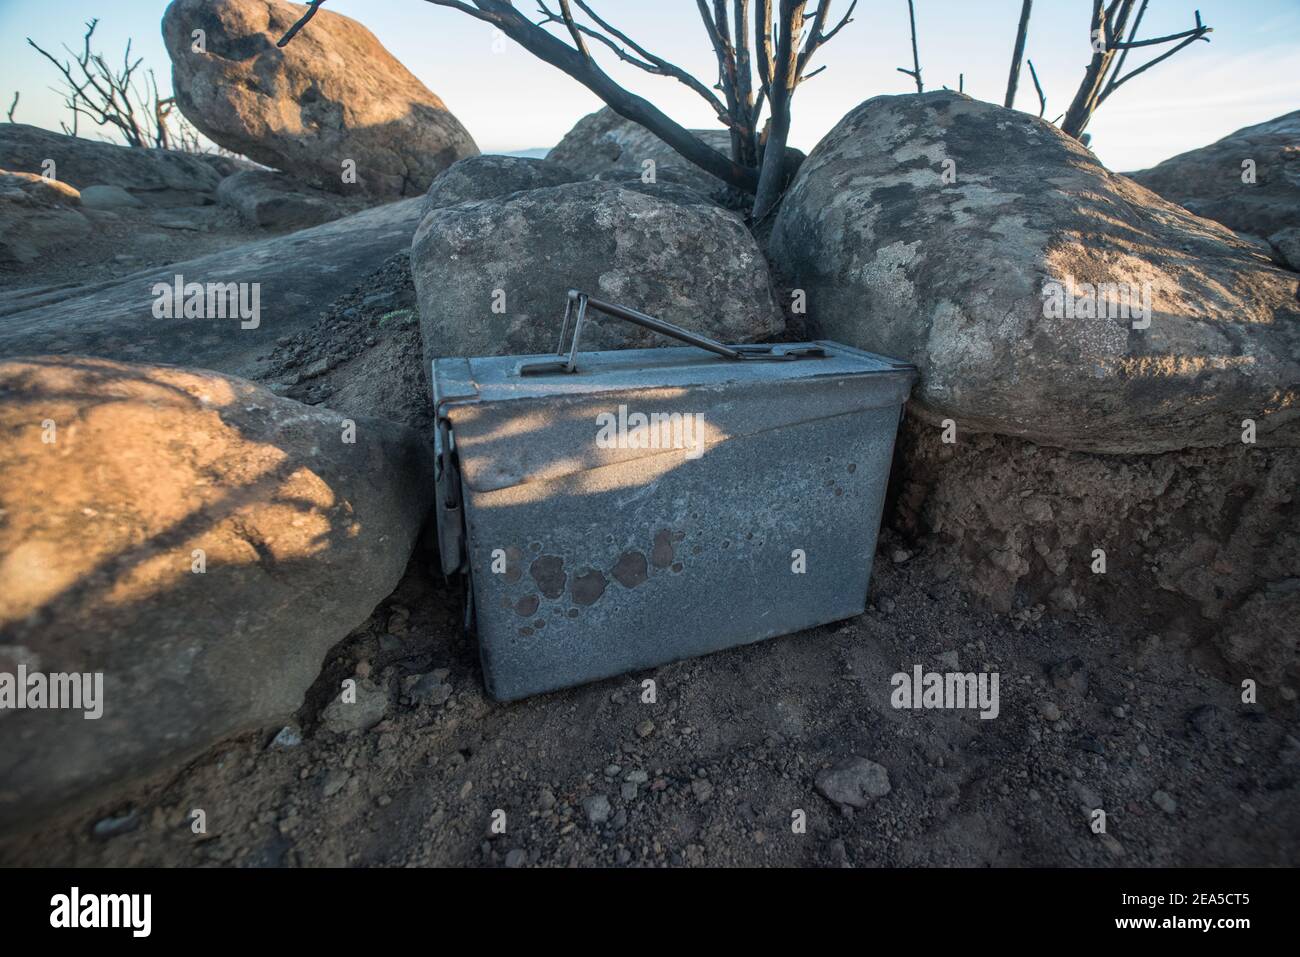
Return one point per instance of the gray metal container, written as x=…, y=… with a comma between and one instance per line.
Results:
x=594, y=548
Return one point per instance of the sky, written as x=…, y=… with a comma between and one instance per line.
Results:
x=509, y=100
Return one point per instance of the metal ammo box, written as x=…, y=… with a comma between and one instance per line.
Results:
x=617, y=510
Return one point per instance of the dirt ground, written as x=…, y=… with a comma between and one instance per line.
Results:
x=712, y=772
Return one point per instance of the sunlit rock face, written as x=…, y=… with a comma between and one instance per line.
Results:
x=195, y=539
x=1249, y=180
x=1041, y=295
x=332, y=96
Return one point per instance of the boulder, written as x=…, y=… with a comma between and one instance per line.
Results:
x=1287, y=244
x=154, y=176
x=293, y=277
x=1249, y=180
x=197, y=542
x=330, y=100
x=604, y=143
x=108, y=197
x=978, y=243
x=37, y=216
x=492, y=175
x=227, y=165
x=492, y=276
x=265, y=198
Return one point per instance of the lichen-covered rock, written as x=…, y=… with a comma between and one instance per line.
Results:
x=1249, y=180
x=951, y=232
x=194, y=539
x=492, y=276
x=330, y=97
x=153, y=176
x=490, y=175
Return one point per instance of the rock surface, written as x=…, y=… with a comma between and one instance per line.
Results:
x=492, y=276
x=489, y=176
x=1287, y=244
x=604, y=143
x=855, y=782
x=955, y=275
x=156, y=177
x=1209, y=181
x=296, y=276
x=198, y=541
x=108, y=197
x=270, y=199
x=331, y=96
x=37, y=216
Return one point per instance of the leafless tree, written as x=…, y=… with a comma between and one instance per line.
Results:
x=763, y=49
x=1105, y=73
x=13, y=106
x=124, y=97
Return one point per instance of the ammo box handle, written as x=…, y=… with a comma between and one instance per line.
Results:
x=582, y=302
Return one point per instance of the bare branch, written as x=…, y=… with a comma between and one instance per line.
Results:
x=312, y=7
x=818, y=36
x=1104, y=74
x=763, y=44
x=567, y=13
x=1018, y=54
x=13, y=106
x=1042, y=100
x=1137, y=22
x=1195, y=33
x=650, y=63
x=915, y=72
x=1146, y=66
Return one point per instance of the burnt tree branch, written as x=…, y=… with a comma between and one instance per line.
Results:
x=757, y=70
x=1018, y=54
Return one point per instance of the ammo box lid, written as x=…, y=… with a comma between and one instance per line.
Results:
x=512, y=429
x=497, y=378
